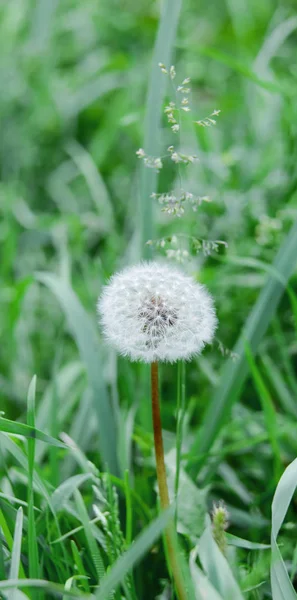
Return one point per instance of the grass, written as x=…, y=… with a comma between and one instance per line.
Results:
x=81, y=92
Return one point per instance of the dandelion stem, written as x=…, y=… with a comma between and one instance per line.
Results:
x=162, y=483
x=181, y=397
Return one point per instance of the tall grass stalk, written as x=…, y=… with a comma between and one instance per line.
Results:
x=148, y=177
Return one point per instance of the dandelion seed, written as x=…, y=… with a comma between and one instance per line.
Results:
x=153, y=311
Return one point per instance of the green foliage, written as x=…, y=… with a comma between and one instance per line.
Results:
x=80, y=92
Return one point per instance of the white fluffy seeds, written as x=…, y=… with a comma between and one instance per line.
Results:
x=154, y=312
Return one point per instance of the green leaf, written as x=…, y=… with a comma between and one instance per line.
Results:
x=286, y=399
x=243, y=69
x=16, y=550
x=80, y=566
x=91, y=541
x=50, y=586
x=234, y=540
x=216, y=567
x=27, y=431
x=62, y=493
x=32, y=537
x=281, y=586
x=203, y=587
x=83, y=330
x=234, y=373
x=127, y=561
x=268, y=411
x=191, y=501
x=97, y=188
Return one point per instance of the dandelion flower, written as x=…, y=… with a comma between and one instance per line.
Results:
x=155, y=312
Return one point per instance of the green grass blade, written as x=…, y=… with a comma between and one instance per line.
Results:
x=9, y=539
x=83, y=330
x=27, y=431
x=51, y=587
x=217, y=568
x=2, y=564
x=268, y=411
x=234, y=540
x=79, y=565
x=71, y=532
x=203, y=587
x=129, y=515
x=127, y=561
x=284, y=348
x=274, y=87
x=234, y=373
x=62, y=493
x=21, y=458
x=148, y=178
x=286, y=399
x=293, y=300
x=92, y=544
x=42, y=23
x=32, y=536
x=16, y=550
x=281, y=586
x=95, y=183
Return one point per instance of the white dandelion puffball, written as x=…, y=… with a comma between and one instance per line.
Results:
x=153, y=312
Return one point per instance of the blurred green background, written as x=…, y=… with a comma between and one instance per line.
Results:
x=72, y=102
x=73, y=98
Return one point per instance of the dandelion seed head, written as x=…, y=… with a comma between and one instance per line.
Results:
x=154, y=311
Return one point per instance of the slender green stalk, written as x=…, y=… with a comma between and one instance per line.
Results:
x=163, y=48
x=54, y=430
x=280, y=338
x=33, y=562
x=181, y=401
x=162, y=483
x=128, y=509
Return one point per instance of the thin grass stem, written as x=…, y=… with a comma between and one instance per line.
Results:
x=128, y=509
